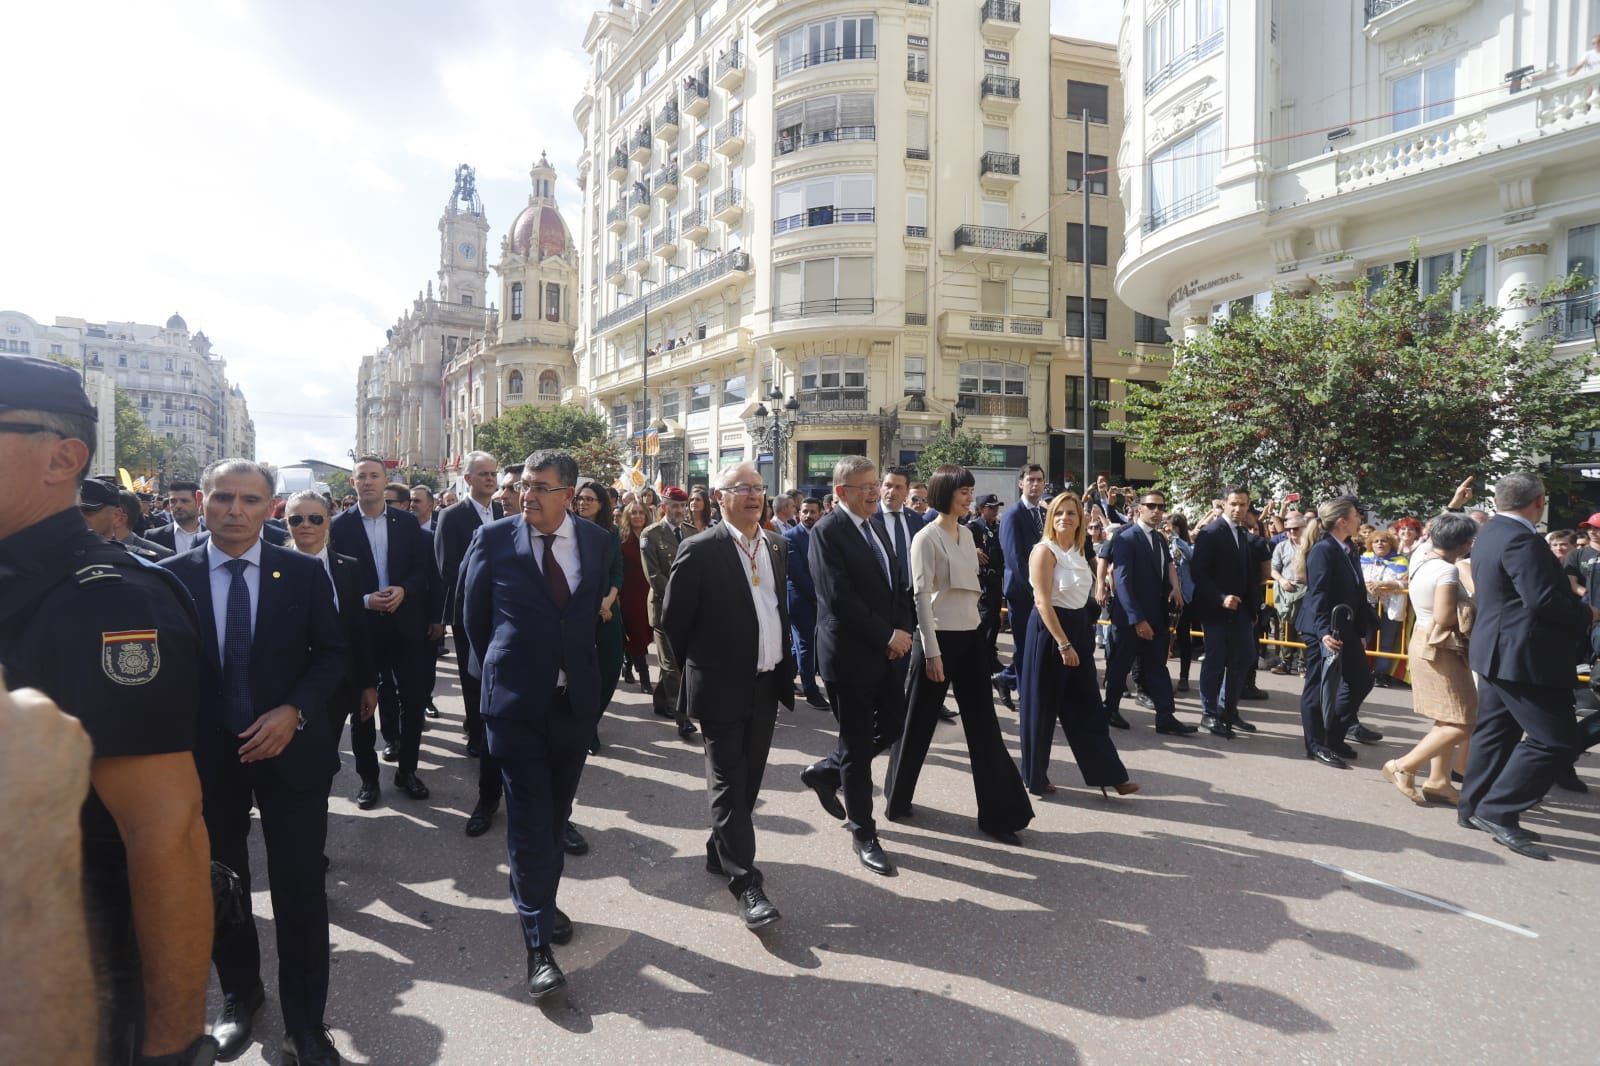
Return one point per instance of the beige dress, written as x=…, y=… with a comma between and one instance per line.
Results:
x=1442, y=688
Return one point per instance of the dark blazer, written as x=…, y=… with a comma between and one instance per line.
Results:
x=1138, y=578
x=433, y=602
x=709, y=617
x=520, y=640
x=1332, y=579
x=857, y=610
x=914, y=525
x=1526, y=609
x=360, y=668
x=1220, y=570
x=1019, y=532
x=166, y=536
x=802, y=593
x=410, y=557
x=273, y=531
x=455, y=526
x=297, y=657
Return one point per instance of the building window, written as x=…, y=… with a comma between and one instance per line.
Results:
x=167, y=363
x=916, y=376
x=1182, y=177
x=917, y=63
x=733, y=390
x=1097, y=317
x=833, y=41
x=1097, y=244
x=823, y=286
x=549, y=385
x=916, y=135
x=144, y=362
x=916, y=214
x=619, y=419
x=669, y=404
x=825, y=120
x=992, y=297
x=552, y=302
x=1074, y=401
x=916, y=297
x=55, y=349
x=1177, y=34
x=1147, y=330
x=1473, y=288
x=699, y=398
x=1423, y=96
x=514, y=383
x=1087, y=96
x=834, y=383
x=1098, y=168
x=822, y=202
x=993, y=389
x=516, y=301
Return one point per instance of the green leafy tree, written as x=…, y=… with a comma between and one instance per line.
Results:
x=1390, y=393
x=415, y=475
x=964, y=447
x=519, y=432
x=339, y=485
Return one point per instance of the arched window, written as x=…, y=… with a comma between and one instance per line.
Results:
x=516, y=300
x=514, y=384
x=549, y=385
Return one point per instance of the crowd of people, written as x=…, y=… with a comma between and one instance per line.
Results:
x=224, y=678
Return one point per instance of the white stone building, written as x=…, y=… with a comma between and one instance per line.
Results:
x=843, y=203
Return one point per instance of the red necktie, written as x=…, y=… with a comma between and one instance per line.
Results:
x=555, y=578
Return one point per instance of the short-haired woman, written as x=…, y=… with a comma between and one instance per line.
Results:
x=949, y=653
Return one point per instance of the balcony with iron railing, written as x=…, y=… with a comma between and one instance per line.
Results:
x=833, y=399
x=819, y=56
x=665, y=241
x=641, y=144
x=696, y=95
x=666, y=181
x=1181, y=62
x=1002, y=165
x=730, y=70
x=619, y=163
x=617, y=217
x=998, y=239
x=837, y=305
x=794, y=138
x=695, y=225
x=639, y=198
x=920, y=232
x=1182, y=208
x=997, y=89
x=822, y=215
x=615, y=269
x=1574, y=317
x=1002, y=16
x=695, y=161
x=729, y=138
x=728, y=205
x=667, y=121
x=985, y=405
x=679, y=289
x=916, y=153
x=639, y=255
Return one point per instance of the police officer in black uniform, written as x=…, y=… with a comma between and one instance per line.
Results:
x=114, y=642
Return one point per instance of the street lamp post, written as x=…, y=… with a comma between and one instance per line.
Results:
x=772, y=430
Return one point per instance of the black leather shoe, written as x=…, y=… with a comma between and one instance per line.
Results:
x=756, y=909
x=1517, y=840
x=686, y=729
x=431, y=711
x=870, y=852
x=310, y=1049
x=1328, y=758
x=473, y=751
x=1004, y=836
x=1362, y=735
x=1343, y=750
x=1006, y=701
x=1253, y=693
x=899, y=814
x=946, y=714
x=572, y=841
x=1466, y=822
x=231, y=1030
x=817, y=700
x=1222, y=729
x=1208, y=721
x=482, y=816
x=369, y=795
x=1173, y=728
x=561, y=928
x=1241, y=725
x=666, y=712
x=1144, y=701
x=411, y=785
x=544, y=976
x=1569, y=781
x=1115, y=720
x=390, y=754
x=646, y=687
x=827, y=789
x=714, y=861
x=1183, y=685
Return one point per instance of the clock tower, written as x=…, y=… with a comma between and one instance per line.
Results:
x=463, y=229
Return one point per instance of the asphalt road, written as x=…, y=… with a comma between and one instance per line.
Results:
x=1247, y=904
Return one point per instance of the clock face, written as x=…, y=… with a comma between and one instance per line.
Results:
x=467, y=250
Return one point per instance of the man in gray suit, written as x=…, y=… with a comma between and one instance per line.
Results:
x=658, y=546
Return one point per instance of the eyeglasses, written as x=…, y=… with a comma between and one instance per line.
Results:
x=588, y=501
x=528, y=488
x=745, y=490
x=91, y=508
x=298, y=519
x=30, y=427
x=1153, y=506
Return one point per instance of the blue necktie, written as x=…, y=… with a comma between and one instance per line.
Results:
x=236, y=710
x=877, y=550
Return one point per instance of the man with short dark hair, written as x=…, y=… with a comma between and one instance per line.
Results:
x=1144, y=581
x=658, y=546
x=185, y=530
x=421, y=503
x=802, y=600
x=1227, y=591
x=1021, y=526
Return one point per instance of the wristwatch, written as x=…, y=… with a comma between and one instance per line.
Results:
x=301, y=724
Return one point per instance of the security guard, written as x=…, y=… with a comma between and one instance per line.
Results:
x=985, y=529
x=114, y=642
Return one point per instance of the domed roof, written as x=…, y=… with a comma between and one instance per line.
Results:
x=177, y=322
x=541, y=227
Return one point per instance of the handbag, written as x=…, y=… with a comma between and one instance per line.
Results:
x=1456, y=639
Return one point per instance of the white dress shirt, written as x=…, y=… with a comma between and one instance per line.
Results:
x=874, y=545
x=327, y=566
x=565, y=547
x=485, y=514
x=769, y=624
x=377, y=530
x=182, y=540
x=222, y=582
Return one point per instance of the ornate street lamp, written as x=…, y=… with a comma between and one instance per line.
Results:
x=771, y=430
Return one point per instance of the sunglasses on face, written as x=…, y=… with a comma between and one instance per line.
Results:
x=298, y=519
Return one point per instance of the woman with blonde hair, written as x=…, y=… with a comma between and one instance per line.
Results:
x=1058, y=678
x=1333, y=580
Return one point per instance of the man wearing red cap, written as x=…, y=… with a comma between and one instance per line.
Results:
x=658, y=546
x=1582, y=563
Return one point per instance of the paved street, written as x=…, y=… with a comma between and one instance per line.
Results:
x=1224, y=913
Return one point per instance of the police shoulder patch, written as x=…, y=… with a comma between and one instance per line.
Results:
x=130, y=656
x=94, y=572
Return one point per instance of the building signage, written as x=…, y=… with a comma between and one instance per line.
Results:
x=1191, y=289
x=996, y=55
x=916, y=42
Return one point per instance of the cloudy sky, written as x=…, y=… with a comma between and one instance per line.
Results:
x=275, y=170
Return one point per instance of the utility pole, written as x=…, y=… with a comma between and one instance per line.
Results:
x=1088, y=317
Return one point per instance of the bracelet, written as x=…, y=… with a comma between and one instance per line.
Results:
x=1063, y=646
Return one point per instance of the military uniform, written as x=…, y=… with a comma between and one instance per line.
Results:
x=658, y=546
x=113, y=640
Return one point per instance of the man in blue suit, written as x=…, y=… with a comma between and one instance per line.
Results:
x=1020, y=529
x=803, y=600
x=1143, y=580
x=1521, y=650
x=1227, y=589
x=275, y=653
x=530, y=596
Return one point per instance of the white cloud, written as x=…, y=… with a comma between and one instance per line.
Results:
x=1094, y=20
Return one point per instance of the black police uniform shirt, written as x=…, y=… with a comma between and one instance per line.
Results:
x=111, y=639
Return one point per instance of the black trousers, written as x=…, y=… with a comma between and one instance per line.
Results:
x=1525, y=737
x=294, y=825
x=1150, y=655
x=1227, y=670
x=736, y=761
x=989, y=624
x=1003, y=805
x=489, y=785
x=405, y=669
x=870, y=720
x=345, y=705
x=1321, y=729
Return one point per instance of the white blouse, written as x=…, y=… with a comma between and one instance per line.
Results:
x=1073, y=578
x=944, y=575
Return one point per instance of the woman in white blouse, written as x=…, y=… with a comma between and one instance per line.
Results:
x=949, y=653
x=1058, y=679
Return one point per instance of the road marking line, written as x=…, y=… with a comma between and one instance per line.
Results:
x=1497, y=923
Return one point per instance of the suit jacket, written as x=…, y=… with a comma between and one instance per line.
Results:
x=1527, y=612
x=1108, y=505
x=658, y=546
x=914, y=524
x=802, y=592
x=160, y=551
x=166, y=536
x=1139, y=578
x=857, y=609
x=1332, y=578
x=410, y=561
x=520, y=640
x=297, y=657
x=455, y=526
x=360, y=667
x=273, y=531
x=709, y=617
x=1219, y=569
x=1019, y=532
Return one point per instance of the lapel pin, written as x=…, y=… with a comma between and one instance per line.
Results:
x=276, y=574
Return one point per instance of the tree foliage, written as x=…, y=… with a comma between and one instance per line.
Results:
x=519, y=432
x=145, y=453
x=1390, y=393
x=964, y=447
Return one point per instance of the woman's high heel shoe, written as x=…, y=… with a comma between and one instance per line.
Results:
x=1401, y=780
x=1127, y=788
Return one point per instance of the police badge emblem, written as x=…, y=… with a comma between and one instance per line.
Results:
x=131, y=656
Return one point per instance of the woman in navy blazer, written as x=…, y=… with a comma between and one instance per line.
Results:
x=1333, y=578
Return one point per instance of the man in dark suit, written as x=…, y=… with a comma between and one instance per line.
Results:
x=897, y=522
x=985, y=527
x=530, y=599
x=397, y=497
x=185, y=531
x=396, y=568
x=275, y=653
x=725, y=616
x=864, y=623
x=658, y=546
x=802, y=597
x=1227, y=590
x=1143, y=579
x=456, y=526
x=1110, y=501
x=1021, y=526
x=1521, y=650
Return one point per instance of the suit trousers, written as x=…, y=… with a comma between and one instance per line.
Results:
x=669, y=687
x=345, y=705
x=294, y=825
x=989, y=627
x=1230, y=642
x=1525, y=737
x=1003, y=805
x=1019, y=610
x=541, y=760
x=805, y=650
x=1071, y=696
x=1151, y=657
x=489, y=786
x=736, y=761
x=870, y=720
x=1321, y=729
x=405, y=665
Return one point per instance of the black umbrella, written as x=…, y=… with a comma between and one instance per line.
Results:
x=1332, y=665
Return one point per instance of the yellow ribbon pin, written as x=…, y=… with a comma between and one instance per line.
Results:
x=276, y=574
